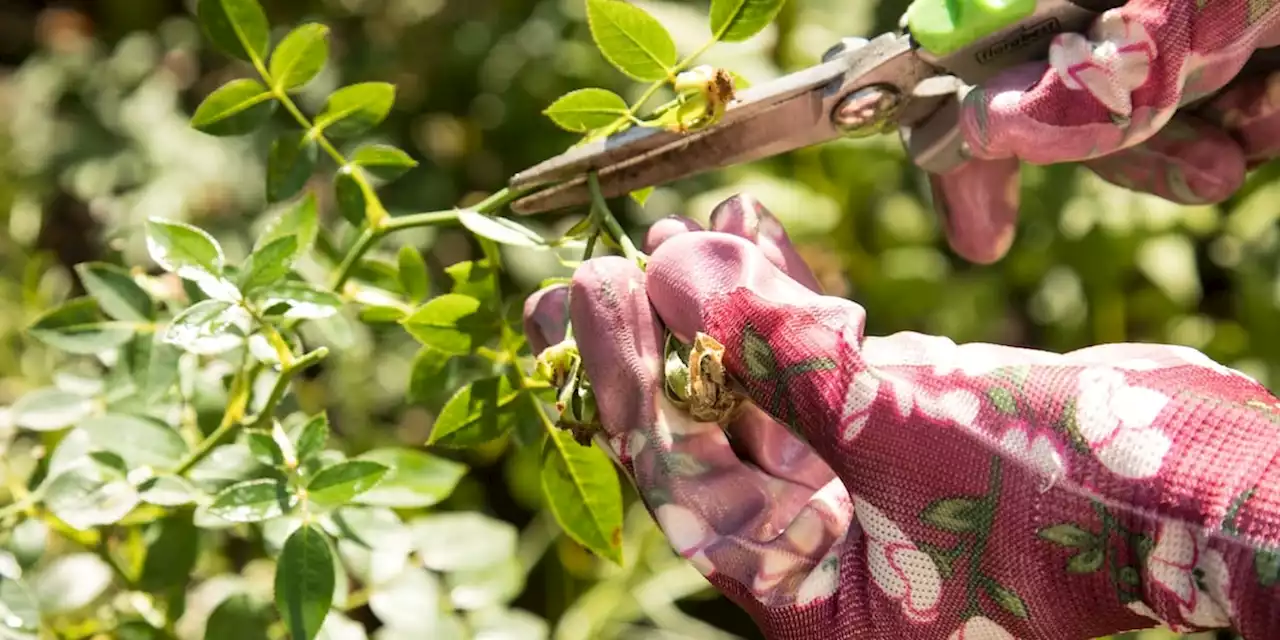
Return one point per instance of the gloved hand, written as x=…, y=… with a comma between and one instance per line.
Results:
x=1108, y=99
x=909, y=487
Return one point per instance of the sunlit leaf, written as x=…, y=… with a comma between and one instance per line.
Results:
x=355, y=109
x=177, y=247
x=138, y=441
x=631, y=39
x=738, y=20
x=20, y=608
x=116, y=292
x=90, y=493
x=499, y=230
x=477, y=413
x=412, y=273
x=482, y=588
x=168, y=491
x=290, y=164
x=50, y=409
x=252, y=501
x=300, y=56
x=238, y=27
x=337, y=485
x=452, y=323
x=586, y=109
x=641, y=196
x=70, y=582
x=78, y=326
x=151, y=365
x=383, y=161
x=462, y=540
x=239, y=617
x=414, y=479
x=304, y=583
x=303, y=300
x=471, y=278
x=236, y=108
x=399, y=602
x=299, y=222
x=269, y=263
x=582, y=489
x=208, y=327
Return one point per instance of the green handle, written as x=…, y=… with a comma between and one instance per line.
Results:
x=945, y=26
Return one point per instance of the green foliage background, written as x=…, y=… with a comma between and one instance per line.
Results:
x=95, y=103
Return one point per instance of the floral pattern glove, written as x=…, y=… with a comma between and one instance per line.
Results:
x=1109, y=98
x=909, y=487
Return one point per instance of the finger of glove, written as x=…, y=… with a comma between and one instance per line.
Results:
x=546, y=316
x=729, y=518
x=978, y=204
x=665, y=228
x=757, y=437
x=1113, y=87
x=1189, y=161
x=792, y=349
x=1249, y=111
x=746, y=217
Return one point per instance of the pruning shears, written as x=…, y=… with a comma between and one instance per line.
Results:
x=911, y=81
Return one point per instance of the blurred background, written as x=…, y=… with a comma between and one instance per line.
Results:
x=94, y=101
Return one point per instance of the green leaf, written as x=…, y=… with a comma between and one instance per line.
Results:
x=453, y=323
x=236, y=108
x=252, y=501
x=429, y=375
x=584, y=494
x=383, y=161
x=269, y=264
x=471, y=278
x=483, y=588
x=381, y=314
x=304, y=301
x=630, y=39
x=586, y=109
x=337, y=485
x=461, y=541
x=356, y=200
x=738, y=20
x=238, y=27
x=1086, y=561
x=208, y=327
x=477, y=413
x=151, y=365
x=116, y=292
x=957, y=515
x=1006, y=598
x=311, y=437
x=290, y=164
x=500, y=230
x=79, y=327
x=50, y=409
x=70, y=583
x=355, y=109
x=758, y=355
x=1004, y=400
x=265, y=448
x=300, y=56
x=90, y=494
x=177, y=247
x=239, y=617
x=412, y=273
x=172, y=546
x=1068, y=535
x=299, y=222
x=138, y=441
x=305, y=581
x=414, y=480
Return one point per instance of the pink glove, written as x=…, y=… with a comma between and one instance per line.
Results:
x=1108, y=99
x=932, y=490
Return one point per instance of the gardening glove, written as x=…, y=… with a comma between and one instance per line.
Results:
x=1108, y=99
x=909, y=487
